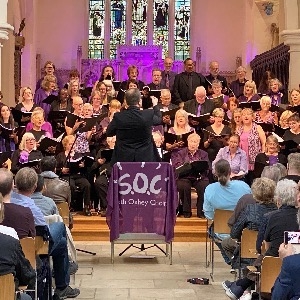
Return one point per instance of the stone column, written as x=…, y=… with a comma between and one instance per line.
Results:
x=291, y=37
x=4, y=29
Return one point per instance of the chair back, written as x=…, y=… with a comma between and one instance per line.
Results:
x=28, y=247
x=248, y=243
x=221, y=218
x=64, y=212
x=270, y=270
x=41, y=246
x=7, y=287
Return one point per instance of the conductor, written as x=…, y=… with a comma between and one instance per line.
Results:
x=133, y=130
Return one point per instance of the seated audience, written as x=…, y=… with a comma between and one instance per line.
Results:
x=251, y=217
x=186, y=182
x=236, y=157
x=15, y=216
x=283, y=219
x=26, y=153
x=223, y=194
x=26, y=182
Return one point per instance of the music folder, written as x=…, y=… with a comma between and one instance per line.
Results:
x=116, y=85
x=194, y=168
x=216, y=136
x=254, y=105
x=86, y=92
x=57, y=115
x=31, y=163
x=72, y=119
x=50, y=99
x=18, y=114
x=295, y=109
x=171, y=138
x=4, y=156
x=289, y=145
x=267, y=127
x=218, y=101
x=279, y=130
x=155, y=93
x=170, y=113
x=202, y=119
x=47, y=142
x=107, y=154
x=258, y=168
x=73, y=163
x=6, y=132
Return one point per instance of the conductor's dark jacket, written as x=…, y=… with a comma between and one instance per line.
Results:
x=133, y=130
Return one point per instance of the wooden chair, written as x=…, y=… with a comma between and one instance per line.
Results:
x=247, y=245
x=220, y=225
x=7, y=287
x=270, y=270
x=64, y=212
x=28, y=247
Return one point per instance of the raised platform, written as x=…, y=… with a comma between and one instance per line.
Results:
x=94, y=228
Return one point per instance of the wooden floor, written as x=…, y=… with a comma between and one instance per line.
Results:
x=94, y=228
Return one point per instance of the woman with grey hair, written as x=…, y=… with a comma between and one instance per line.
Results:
x=283, y=219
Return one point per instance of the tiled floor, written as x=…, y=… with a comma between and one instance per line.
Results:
x=151, y=278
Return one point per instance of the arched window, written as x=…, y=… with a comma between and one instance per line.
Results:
x=139, y=22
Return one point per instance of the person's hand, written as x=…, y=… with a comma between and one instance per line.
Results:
x=211, y=120
x=285, y=250
x=166, y=120
x=81, y=165
x=104, y=129
x=178, y=145
x=51, y=149
x=65, y=170
x=210, y=138
x=154, y=100
x=25, y=119
x=101, y=161
x=77, y=124
x=13, y=135
x=94, y=130
x=5, y=165
x=224, y=106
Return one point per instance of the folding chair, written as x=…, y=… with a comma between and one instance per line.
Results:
x=7, y=287
x=207, y=260
x=220, y=225
x=64, y=212
x=270, y=270
x=247, y=246
x=28, y=247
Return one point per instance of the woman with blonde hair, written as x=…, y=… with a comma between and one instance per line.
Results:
x=250, y=92
x=294, y=99
x=283, y=121
x=73, y=88
x=181, y=126
x=27, y=152
x=216, y=135
x=269, y=157
x=48, y=87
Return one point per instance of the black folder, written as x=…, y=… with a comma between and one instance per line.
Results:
x=155, y=93
x=50, y=99
x=73, y=164
x=194, y=168
x=171, y=138
x=57, y=115
x=18, y=115
x=86, y=92
x=254, y=105
x=267, y=127
x=258, y=168
x=107, y=154
x=6, y=132
x=47, y=142
x=202, y=119
x=71, y=119
x=295, y=109
x=116, y=85
x=170, y=113
x=279, y=130
x=216, y=136
x=218, y=101
x=31, y=164
x=4, y=156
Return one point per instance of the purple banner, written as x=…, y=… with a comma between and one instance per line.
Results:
x=142, y=198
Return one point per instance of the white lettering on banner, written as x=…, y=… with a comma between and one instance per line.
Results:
x=145, y=184
x=144, y=203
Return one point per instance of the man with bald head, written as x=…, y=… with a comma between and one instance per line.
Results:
x=200, y=105
x=168, y=76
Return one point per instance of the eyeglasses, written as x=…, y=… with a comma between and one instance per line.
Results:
x=78, y=104
x=30, y=140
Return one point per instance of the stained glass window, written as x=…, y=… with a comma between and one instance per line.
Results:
x=161, y=24
x=139, y=22
x=182, y=29
x=96, y=29
x=117, y=26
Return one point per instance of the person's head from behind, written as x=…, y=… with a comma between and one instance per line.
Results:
x=200, y=94
x=132, y=97
x=281, y=168
x=271, y=172
x=6, y=182
x=263, y=190
x=48, y=163
x=223, y=171
x=293, y=166
x=286, y=193
x=39, y=185
x=26, y=181
x=193, y=142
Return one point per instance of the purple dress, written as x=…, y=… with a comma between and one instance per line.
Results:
x=41, y=95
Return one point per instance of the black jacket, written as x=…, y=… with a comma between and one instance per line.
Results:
x=133, y=130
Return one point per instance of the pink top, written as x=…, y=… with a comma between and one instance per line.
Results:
x=46, y=126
